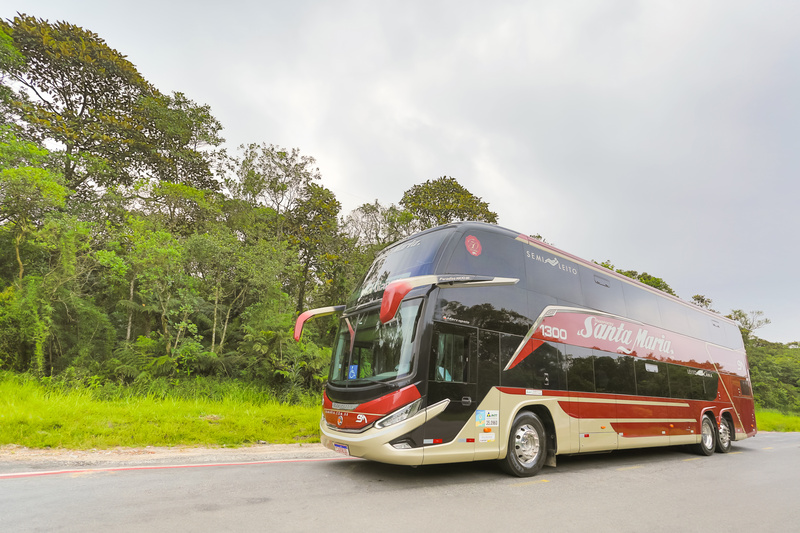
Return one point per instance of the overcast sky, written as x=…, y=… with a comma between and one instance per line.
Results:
x=663, y=136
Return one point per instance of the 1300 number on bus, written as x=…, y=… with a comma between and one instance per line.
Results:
x=554, y=333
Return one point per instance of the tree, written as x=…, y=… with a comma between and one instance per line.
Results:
x=178, y=139
x=444, y=200
x=313, y=229
x=233, y=275
x=27, y=191
x=181, y=209
x=64, y=84
x=271, y=176
x=749, y=322
x=76, y=90
x=775, y=373
x=373, y=225
x=154, y=263
x=703, y=301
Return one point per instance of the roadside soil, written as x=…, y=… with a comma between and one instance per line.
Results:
x=15, y=458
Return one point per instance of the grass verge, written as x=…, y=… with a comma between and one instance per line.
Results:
x=770, y=420
x=36, y=416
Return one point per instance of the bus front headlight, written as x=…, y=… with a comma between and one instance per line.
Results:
x=401, y=414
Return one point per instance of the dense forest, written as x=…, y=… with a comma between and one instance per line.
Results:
x=137, y=250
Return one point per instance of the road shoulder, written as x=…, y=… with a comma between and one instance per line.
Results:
x=15, y=458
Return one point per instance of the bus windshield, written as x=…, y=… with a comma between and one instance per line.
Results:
x=367, y=351
x=412, y=257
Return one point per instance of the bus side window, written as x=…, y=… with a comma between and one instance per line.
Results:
x=613, y=373
x=704, y=384
x=651, y=378
x=452, y=352
x=541, y=369
x=580, y=369
x=680, y=382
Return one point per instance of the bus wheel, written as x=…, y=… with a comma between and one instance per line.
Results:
x=725, y=437
x=708, y=437
x=527, y=446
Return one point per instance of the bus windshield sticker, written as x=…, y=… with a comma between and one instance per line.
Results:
x=352, y=372
x=651, y=368
x=473, y=245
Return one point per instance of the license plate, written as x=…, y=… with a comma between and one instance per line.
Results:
x=341, y=448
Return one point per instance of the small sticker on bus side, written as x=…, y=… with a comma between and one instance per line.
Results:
x=533, y=392
x=486, y=437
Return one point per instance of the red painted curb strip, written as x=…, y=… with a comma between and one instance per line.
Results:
x=161, y=467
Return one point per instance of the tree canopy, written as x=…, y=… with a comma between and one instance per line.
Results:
x=444, y=200
x=65, y=85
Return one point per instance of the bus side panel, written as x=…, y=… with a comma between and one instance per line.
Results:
x=545, y=403
x=744, y=404
x=736, y=390
x=645, y=421
x=478, y=438
x=595, y=422
x=747, y=410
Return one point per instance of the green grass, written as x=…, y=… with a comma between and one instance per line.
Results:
x=770, y=420
x=36, y=416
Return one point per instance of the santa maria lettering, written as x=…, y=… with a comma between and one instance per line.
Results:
x=606, y=330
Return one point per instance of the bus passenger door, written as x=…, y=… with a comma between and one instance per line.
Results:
x=453, y=376
x=487, y=415
x=593, y=414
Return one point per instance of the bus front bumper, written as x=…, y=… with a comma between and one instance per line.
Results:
x=373, y=444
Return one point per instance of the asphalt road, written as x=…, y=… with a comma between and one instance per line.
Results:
x=754, y=488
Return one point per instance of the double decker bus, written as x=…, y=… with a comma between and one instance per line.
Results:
x=472, y=342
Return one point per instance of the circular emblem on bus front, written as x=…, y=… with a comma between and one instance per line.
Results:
x=473, y=245
x=340, y=421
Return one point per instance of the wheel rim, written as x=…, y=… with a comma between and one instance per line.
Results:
x=724, y=434
x=526, y=445
x=708, y=434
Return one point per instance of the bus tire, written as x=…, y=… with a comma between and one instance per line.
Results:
x=527, y=446
x=725, y=435
x=708, y=437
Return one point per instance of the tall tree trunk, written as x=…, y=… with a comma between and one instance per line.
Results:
x=165, y=328
x=214, y=328
x=17, y=242
x=301, y=296
x=227, y=318
x=130, y=311
x=225, y=328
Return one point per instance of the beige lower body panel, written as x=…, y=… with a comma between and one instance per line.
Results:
x=481, y=440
